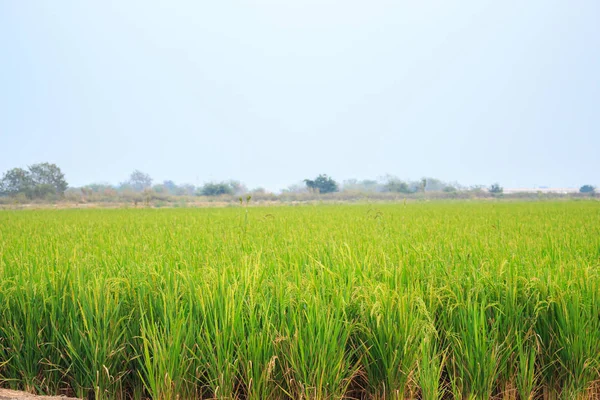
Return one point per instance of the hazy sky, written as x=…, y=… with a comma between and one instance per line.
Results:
x=270, y=92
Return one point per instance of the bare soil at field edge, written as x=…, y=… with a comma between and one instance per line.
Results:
x=6, y=394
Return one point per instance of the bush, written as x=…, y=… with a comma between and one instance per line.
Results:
x=587, y=189
x=322, y=184
x=496, y=189
x=216, y=189
x=449, y=189
x=397, y=186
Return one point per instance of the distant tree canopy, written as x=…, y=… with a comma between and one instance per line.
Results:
x=220, y=188
x=496, y=188
x=322, y=184
x=395, y=185
x=365, y=185
x=299, y=187
x=587, y=189
x=170, y=186
x=138, y=181
x=449, y=189
x=46, y=181
x=98, y=187
x=434, y=185
x=215, y=189
x=185, y=190
x=37, y=181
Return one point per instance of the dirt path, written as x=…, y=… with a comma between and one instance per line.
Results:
x=6, y=394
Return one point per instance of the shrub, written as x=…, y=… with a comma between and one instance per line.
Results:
x=587, y=189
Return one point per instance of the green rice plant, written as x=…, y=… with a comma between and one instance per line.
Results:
x=392, y=331
x=518, y=302
x=257, y=353
x=570, y=329
x=217, y=339
x=165, y=360
x=452, y=300
x=431, y=364
x=476, y=347
x=22, y=337
x=256, y=348
x=91, y=330
x=314, y=350
x=527, y=376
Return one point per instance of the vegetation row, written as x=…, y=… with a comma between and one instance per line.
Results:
x=429, y=301
x=46, y=182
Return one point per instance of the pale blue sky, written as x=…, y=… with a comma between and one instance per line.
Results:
x=274, y=91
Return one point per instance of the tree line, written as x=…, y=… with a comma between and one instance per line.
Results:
x=37, y=181
x=47, y=181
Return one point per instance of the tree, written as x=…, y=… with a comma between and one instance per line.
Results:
x=449, y=189
x=139, y=181
x=216, y=189
x=45, y=176
x=16, y=181
x=299, y=187
x=38, y=181
x=395, y=185
x=496, y=189
x=170, y=186
x=160, y=188
x=185, y=190
x=238, y=187
x=434, y=185
x=99, y=187
x=366, y=185
x=589, y=189
x=322, y=184
x=423, y=185
x=259, y=190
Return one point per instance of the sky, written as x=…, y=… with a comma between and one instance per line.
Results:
x=271, y=92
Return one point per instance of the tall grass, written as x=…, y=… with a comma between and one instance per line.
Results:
x=430, y=301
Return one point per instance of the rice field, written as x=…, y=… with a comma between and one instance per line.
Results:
x=435, y=300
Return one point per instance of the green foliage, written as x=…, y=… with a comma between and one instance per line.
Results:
x=216, y=189
x=496, y=189
x=449, y=189
x=426, y=300
x=473, y=330
x=50, y=175
x=392, y=332
x=434, y=185
x=38, y=181
x=99, y=187
x=185, y=190
x=170, y=186
x=16, y=181
x=366, y=185
x=322, y=184
x=587, y=189
x=397, y=186
x=138, y=181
